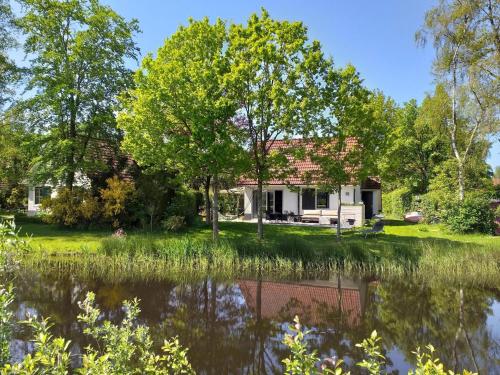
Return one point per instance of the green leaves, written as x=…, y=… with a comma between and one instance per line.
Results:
x=178, y=116
x=78, y=50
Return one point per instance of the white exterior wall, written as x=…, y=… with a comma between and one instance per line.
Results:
x=247, y=202
x=377, y=201
x=32, y=207
x=290, y=200
x=80, y=180
x=350, y=195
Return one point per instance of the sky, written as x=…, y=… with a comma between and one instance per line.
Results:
x=377, y=37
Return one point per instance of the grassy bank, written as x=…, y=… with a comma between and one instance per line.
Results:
x=422, y=250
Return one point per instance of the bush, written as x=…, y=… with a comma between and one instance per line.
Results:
x=174, y=223
x=71, y=208
x=17, y=198
x=430, y=206
x=302, y=361
x=116, y=198
x=473, y=214
x=125, y=348
x=397, y=202
x=183, y=204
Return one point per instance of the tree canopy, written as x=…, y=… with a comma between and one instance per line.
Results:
x=466, y=37
x=179, y=114
x=273, y=77
x=8, y=69
x=78, y=51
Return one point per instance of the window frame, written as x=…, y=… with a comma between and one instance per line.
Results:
x=42, y=192
x=326, y=197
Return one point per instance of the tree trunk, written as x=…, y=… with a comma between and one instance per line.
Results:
x=70, y=159
x=260, y=212
x=453, y=135
x=208, y=210
x=339, y=209
x=461, y=181
x=215, y=210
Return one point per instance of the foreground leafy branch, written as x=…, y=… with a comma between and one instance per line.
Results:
x=303, y=362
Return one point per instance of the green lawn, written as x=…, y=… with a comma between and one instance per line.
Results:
x=55, y=239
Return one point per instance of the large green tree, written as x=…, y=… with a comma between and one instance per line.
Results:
x=415, y=146
x=345, y=139
x=179, y=114
x=78, y=50
x=466, y=36
x=273, y=79
x=8, y=70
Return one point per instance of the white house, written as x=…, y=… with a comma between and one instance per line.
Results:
x=37, y=192
x=360, y=200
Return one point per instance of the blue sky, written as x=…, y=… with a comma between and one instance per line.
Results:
x=377, y=37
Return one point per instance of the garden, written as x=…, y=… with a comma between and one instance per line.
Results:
x=123, y=249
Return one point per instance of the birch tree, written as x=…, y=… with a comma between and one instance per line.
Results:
x=466, y=36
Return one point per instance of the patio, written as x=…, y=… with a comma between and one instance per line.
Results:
x=343, y=225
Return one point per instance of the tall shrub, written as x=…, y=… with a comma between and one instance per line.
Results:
x=397, y=202
x=117, y=198
x=473, y=214
x=183, y=205
x=72, y=208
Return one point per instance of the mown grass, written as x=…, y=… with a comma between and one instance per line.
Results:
x=420, y=250
x=53, y=238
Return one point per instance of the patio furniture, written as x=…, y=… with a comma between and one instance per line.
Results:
x=378, y=227
x=311, y=216
x=319, y=216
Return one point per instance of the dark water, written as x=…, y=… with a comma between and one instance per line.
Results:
x=237, y=326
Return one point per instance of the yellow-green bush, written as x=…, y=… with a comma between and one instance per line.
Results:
x=71, y=207
x=116, y=197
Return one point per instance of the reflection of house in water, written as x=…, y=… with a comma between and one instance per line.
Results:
x=315, y=302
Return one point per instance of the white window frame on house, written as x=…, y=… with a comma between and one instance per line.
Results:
x=316, y=205
x=327, y=205
x=38, y=193
x=270, y=193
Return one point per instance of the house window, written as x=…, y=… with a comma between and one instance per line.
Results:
x=322, y=200
x=308, y=201
x=42, y=192
x=270, y=201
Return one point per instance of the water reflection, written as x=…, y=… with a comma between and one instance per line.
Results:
x=237, y=326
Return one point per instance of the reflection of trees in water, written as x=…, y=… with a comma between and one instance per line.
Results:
x=229, y=330
x=451, y=318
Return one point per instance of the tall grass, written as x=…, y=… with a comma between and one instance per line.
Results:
x=184, y=257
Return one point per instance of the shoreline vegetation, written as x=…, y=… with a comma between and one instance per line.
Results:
x=289, y=252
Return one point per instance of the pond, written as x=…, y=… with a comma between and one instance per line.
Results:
x=237, y=326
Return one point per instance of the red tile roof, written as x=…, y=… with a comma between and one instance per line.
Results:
x=371, y=182
x=116, y=162
x=282, y=301
x=299, y=166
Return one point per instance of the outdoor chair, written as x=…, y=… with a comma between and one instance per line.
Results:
x=378, y=227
